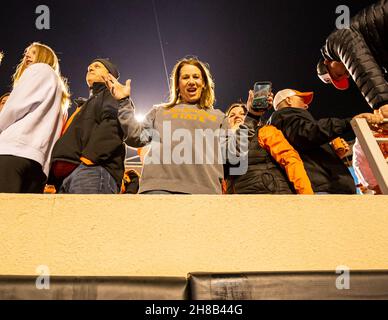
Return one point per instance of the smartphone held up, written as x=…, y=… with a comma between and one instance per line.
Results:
x=261, y=92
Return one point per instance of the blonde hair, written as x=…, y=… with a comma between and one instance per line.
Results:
x=207, y=96
x=46, y=55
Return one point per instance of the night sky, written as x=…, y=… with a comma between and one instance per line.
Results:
x=243, y=41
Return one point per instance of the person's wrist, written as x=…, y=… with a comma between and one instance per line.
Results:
x=123, y=101
x=126, y=98
x=255, y=113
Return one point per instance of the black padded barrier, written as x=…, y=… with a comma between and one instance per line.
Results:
x=364, y=285
x=94, y=288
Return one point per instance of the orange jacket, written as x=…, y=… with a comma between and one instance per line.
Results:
x=273, y=140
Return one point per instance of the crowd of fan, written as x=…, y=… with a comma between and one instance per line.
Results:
x=44, y=150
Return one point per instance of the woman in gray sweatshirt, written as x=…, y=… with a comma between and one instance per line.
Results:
x=31, y=121
x=187, y=136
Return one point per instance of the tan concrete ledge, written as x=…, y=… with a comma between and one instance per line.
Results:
x=127, y=235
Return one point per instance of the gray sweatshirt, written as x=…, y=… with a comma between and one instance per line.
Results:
x=186, y=147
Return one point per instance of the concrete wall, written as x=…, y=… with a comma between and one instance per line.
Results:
x=173, y=235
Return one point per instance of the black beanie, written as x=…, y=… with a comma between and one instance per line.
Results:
x=112, y=68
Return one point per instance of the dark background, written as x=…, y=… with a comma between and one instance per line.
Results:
x=243, y=41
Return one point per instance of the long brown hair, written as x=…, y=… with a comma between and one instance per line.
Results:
x=44, y=54
x=207, y=97
x=236, y=105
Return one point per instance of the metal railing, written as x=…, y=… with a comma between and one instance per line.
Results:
x=370, y=146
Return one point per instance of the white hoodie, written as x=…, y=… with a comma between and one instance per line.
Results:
x=32, y=118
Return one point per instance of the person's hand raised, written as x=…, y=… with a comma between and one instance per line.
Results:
x=250, y=102
x=117, y=90
x=270, y=100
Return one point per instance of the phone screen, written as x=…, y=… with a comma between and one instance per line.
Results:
x=261, y=92
x=262, y=89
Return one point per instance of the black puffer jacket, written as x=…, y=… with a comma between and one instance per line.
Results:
x=364, y=51
x=94, y=133
x=264, y=175
x=311, y=139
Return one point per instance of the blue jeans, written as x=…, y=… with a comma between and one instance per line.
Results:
x=89, y=180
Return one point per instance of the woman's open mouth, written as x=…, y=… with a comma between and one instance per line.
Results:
x=191, y=91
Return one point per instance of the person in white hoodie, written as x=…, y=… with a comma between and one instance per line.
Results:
x=31, y=121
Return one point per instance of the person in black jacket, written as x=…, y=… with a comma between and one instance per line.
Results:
x=89, y=157
x=274, y=167
x=361, y=52
x=311, y=138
